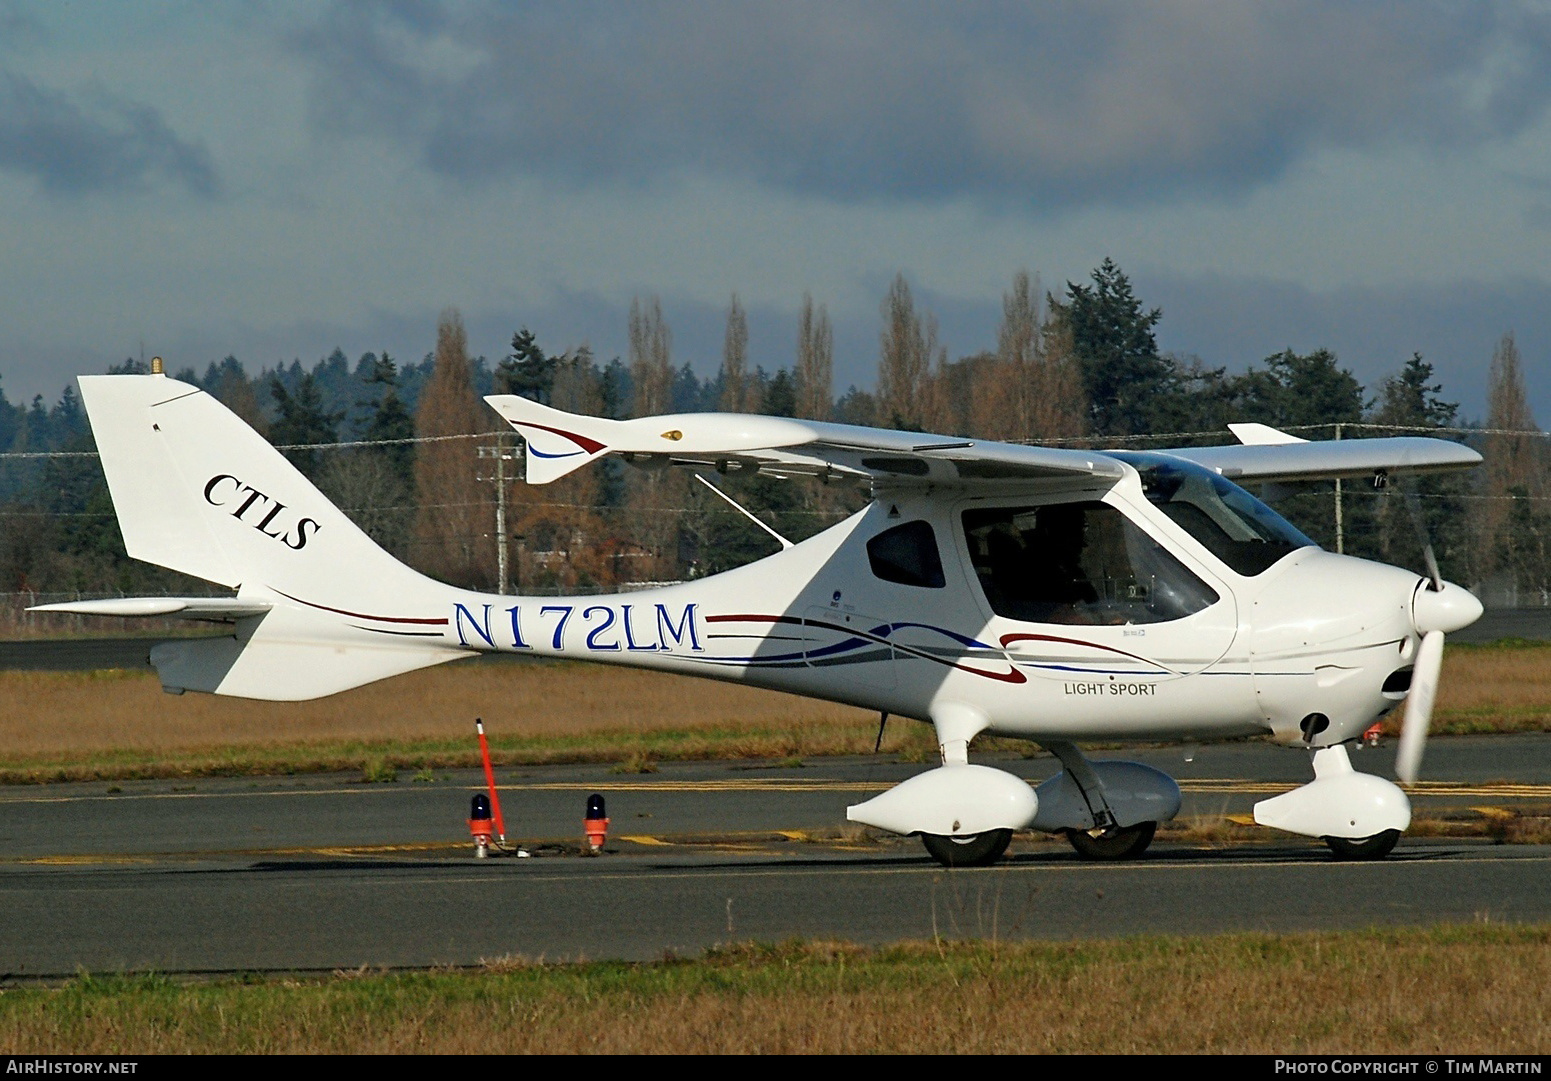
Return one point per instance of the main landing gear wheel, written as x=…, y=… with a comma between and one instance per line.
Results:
x=1363, y=848
x=1115, y=844
x=976, y=850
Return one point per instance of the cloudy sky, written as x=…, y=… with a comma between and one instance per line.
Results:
x=272, y=180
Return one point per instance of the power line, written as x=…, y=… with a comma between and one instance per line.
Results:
x=1085, y=441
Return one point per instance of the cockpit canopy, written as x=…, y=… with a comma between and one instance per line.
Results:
x=1233, y=525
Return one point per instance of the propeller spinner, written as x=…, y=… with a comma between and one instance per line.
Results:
x=1437, y=608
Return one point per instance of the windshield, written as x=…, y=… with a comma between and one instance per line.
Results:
x=1236, y=527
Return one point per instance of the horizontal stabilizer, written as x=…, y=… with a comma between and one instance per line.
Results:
x=212, y=608
x=250, y=666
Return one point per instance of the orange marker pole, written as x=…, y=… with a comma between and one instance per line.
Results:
x=495, y=801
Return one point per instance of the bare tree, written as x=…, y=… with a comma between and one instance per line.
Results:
x=1058, y=405
x=236, y=393
x=907, y=348
x=365, y=486
x=1033, y=390
x=1510, y=459
x=1514, y=464
x=453, y=523
x=739, y=392
x=653, y=494
x=560, y=534
x=651, y=366
x=815, y=362
x=960, y=392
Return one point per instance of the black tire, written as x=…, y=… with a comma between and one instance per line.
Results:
x=976, y=850
x=1363, y=848
x=1115, y=844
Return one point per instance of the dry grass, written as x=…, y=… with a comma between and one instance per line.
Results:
x=120, y=723
x=1209, y=830
x=1496, y=688
x=1463, y=990
x=1503, y=687
x=1504, y=825
x=74, y=725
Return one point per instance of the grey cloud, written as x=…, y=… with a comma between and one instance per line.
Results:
x=1054, y=105
x=19, y=28
x=97, y=142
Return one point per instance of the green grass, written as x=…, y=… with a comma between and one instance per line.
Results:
x=1462, y=989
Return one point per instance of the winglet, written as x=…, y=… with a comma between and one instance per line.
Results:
x=558, y=442
x=1262, y=435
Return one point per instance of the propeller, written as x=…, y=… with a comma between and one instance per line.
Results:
x=1423, y=540
x=1437, y=607
x=1419, y=706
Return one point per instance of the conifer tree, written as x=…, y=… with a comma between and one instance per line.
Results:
x=1114, y=346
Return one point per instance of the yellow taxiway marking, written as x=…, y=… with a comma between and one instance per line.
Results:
x=1199, y=786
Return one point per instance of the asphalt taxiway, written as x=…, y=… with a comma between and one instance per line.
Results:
x=324, y=872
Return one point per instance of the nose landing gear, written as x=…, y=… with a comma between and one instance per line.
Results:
x=1363, y=848
x=980, y=850
x=1358, y=815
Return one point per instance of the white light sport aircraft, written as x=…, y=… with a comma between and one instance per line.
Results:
x=1052, y=595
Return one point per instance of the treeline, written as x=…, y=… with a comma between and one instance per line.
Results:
x=1079, y=368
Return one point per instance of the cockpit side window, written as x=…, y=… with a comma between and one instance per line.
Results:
x=1078, y=563
x=907, y=554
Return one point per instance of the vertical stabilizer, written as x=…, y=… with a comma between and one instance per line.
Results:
x=320, y=606
x=199, y=491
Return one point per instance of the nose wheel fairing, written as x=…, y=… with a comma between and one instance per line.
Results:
x=1339, y=802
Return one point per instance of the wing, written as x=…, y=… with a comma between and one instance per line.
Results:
x=1266, y=454
x=559, y=442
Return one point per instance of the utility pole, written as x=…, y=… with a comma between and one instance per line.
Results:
x=1340, y=533
x=500, y=452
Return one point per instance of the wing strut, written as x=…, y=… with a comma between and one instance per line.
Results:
x=741, y=509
